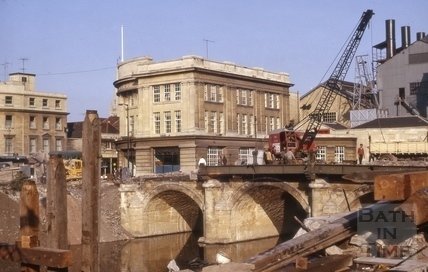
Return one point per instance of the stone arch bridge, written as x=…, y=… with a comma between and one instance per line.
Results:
x=230, y=204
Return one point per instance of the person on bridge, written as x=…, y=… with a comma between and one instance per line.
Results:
x=289, y=157
x=360, y=153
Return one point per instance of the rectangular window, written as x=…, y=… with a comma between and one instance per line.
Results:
x=245, y=155
x=156, y=93
x=329, y=117
x=45, y=122
x=250, y=98
x=8, y=145
x=244, y=124
x=213, y=122
x=414, y=87
x=220, y=94
x=177, y=121
x=33, y=122
x=177, y=91
x=244, y=97
x=277, y=101
x=57, y=104
x=321, y=154
x=214, y=156
x=278, y=123
x=167, y=119
x=238, y=123
x=156, y=121
x=167, y=92
x=58, y=123
x=46, y=145
x=272, y=123
x=8, y=101
x=8, y=122
x=252, y=124
x=32, y=102
x=33, y=147
x=339, y=154
x=213, y=93
x=44, y=103
x=58, y=145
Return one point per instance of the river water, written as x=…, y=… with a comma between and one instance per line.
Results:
x=153, y=254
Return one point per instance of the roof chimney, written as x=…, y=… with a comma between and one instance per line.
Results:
x=405, y=36
x=420, y=36
x=390, y=38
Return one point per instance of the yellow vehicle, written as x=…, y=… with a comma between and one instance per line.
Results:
x=73, y=169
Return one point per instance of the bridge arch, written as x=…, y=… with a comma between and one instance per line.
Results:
x=357, y=198
x=172, y=208
x=266, y=209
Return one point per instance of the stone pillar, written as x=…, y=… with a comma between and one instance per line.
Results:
x=131, y=215
x=320, y=188
x=216, y=215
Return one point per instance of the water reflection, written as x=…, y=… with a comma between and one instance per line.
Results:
x=153, y=254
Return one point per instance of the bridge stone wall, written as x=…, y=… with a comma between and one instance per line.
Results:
x=231, y=210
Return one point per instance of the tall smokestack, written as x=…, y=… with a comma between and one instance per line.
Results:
x=420, y=36
x=390, y=38
x=405, y=36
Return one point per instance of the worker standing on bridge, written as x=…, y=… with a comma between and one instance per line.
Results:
x=289, y=157
x=360, y=153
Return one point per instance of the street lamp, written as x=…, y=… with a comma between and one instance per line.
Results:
x=127, y=132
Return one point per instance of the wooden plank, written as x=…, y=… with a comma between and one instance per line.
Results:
x=308, y=243
x=416, y=206
x=29, y=221
x=56, y=258
x=56, y=204
x=91, y=190
x=397, y=187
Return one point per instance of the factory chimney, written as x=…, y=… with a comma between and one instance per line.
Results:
x=390, y=38
x=405, y=36
x=420, y=36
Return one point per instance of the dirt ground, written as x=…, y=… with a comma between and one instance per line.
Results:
x=110, y=228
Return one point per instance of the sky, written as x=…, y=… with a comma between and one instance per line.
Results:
x=73, y=47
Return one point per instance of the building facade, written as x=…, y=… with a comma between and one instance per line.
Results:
x=403, y=81
x=30, y=121
x=175, y=112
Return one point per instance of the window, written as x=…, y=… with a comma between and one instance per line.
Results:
x=44, y=103
x=244, y=97
x=329, y=117
x=45, y=122
x=58, y=123
x=8, y=145
x=167, y=120
x=402, y=93
x=177, y=121
x=167, y=92
x=8, y=100
x=245, y=154
x=269, y=100
x=206, y=121
x=33, y=147
x=250, y=98
x=277, y=101
x=339, y=154
x=321, y=153
x=57, y=104
x=213, y=122
x=156, y=93
x=58, y=145
x=244, y=124
x=177, y=91
x=272, y=123
x=46, y=145
x=414, y=87
x=8, y=122
x=32, y=102
x=156, y=121
x=214, y=156
x=238, y=122
x=252, y=125
x=33, y=122
x=213, y=93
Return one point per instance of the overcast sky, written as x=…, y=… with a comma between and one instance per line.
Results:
x=73, y=46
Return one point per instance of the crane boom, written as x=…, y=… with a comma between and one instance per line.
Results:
x=332, y=85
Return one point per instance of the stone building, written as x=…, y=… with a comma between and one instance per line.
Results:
x=30, y=121
x=177, y=111
x=109, y=136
